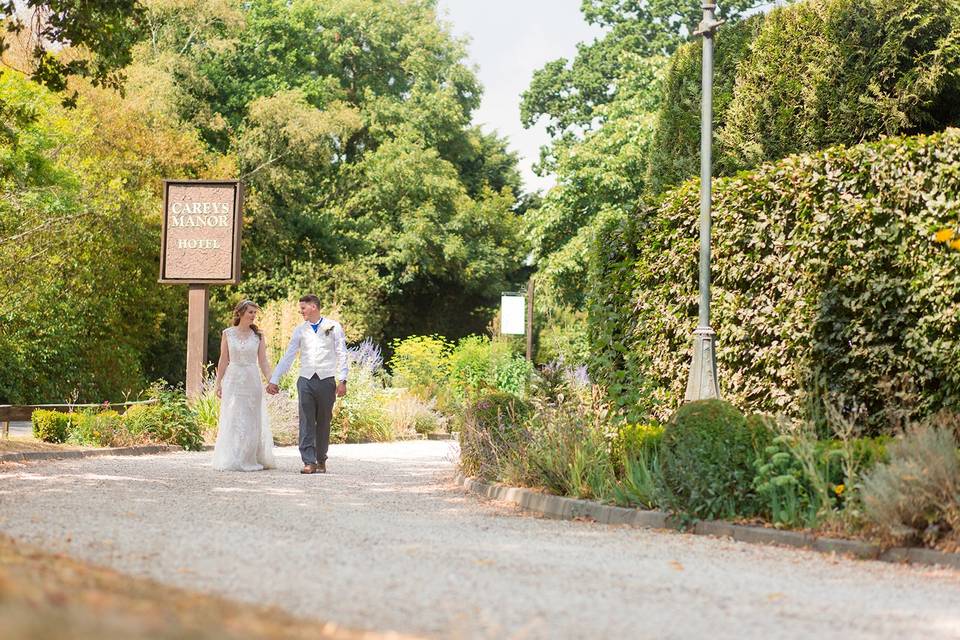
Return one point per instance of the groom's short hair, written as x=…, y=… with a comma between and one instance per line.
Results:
x=312, y=299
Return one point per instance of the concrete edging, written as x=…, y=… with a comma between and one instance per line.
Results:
x=29, y=456
x=562, y=508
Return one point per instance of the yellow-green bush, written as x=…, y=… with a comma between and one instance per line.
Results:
x=51, y=426
x=421, y=364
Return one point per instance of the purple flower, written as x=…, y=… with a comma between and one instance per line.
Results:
x=366, y=355
x=577, y=375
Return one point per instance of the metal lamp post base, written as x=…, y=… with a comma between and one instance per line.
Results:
x=702, y=384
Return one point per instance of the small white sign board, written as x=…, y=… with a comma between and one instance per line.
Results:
x=513, y=314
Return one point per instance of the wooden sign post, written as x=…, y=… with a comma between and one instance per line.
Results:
x=530, y=319
x=200, y=246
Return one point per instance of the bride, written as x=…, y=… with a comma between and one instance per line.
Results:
x=244, y=441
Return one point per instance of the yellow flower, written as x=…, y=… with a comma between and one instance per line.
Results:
x=944, y=235
x=955, y=244
x=838, y=489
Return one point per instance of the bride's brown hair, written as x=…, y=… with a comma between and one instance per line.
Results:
x=241, y=309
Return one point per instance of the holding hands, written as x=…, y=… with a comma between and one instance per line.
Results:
x=273, y=389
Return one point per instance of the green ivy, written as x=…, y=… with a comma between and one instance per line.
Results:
x=827, y=285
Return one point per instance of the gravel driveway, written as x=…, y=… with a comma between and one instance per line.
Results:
x=385, y=541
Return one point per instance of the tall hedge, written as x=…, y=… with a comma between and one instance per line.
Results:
x=675, y=148
x=826, y=277
x=827, y=72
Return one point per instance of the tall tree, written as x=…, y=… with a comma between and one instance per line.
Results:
x=101, y=32
x=350, y=122
x=600, y=109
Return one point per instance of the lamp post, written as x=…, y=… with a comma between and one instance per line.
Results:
x=703, y=371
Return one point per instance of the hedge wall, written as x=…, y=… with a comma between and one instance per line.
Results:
x=828, y=72
x=808, y=76
x=675, y=148
x=825, y=276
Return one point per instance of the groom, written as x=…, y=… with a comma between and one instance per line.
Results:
x=323, y=378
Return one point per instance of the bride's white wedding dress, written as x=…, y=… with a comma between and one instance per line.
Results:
x=244, y=441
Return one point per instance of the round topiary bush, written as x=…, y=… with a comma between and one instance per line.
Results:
x=707, y=459
x=493, y=426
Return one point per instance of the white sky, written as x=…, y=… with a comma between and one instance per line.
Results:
x=509, y=40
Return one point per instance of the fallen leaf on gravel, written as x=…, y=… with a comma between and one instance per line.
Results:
x=776, y=597
x=676, y=565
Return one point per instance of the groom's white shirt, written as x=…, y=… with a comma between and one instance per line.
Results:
x=323, y=352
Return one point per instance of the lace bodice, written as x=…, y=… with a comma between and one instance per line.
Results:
x=243, y=351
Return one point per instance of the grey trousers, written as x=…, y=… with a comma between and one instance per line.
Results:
x=316, y=410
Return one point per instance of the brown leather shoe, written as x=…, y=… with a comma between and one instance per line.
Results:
x=322, y=467
x=309, y=468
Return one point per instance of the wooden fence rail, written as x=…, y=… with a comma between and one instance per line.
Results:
x=13, y=412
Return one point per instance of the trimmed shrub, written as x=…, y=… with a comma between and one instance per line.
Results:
x=51, y=426
x=707, y=460
x=827, y=284
x=827, y=72
x=492, y=430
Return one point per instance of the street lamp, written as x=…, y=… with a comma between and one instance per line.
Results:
x=703, y=372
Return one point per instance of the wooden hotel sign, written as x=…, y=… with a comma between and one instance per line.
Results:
x=200, y=246
x=202, y=220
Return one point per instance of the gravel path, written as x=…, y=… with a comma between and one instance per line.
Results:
x=386, y=541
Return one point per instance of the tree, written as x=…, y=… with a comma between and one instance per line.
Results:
x=569, y=93
x=101, y=32
x=601, y=110
x=352, y=130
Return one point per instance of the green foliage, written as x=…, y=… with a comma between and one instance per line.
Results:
x=492, y=431
x=789, y=495
x=51, y=426
x=82, y=317
x=707, y=460
x=600, y=109
x=828, y=72
x=570, y=93
x=169, y=420
x=569, y=453
x=470, y=365
x=420, y=363
x=97, y=429
x=915, y=497
x=361, y=415
x=620, y=358
x=826, y=284
x=105, y=29
x=358, y=151
x=634, y=441
x=206, y=407
x=640, y=482
x=803, y=481
x=675, y=144
x=561, y=334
